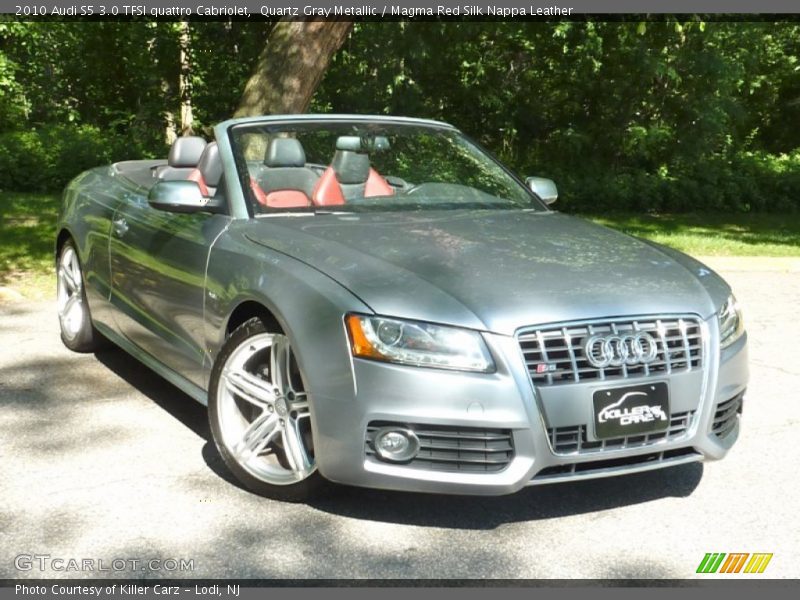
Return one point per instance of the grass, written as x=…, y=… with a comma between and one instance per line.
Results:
x=28, y=221
x=27, y=236
x=711, y=234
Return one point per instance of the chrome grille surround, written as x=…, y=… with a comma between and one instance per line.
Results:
x=560, y=347
x=573, y=440
x=454, y=449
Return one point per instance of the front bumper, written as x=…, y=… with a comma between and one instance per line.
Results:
x=507, y=401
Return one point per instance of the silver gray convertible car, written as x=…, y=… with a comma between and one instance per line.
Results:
x=378, y=302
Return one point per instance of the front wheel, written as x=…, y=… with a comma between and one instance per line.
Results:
x=260, y=415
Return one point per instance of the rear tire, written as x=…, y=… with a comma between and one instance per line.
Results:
x=75, y=320
x=260, y=415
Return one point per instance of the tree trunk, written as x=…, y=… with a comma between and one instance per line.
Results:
x=169, y=126
x=185, y=80
x=291, y=66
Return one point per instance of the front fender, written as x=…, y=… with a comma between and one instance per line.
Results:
x=308, y=305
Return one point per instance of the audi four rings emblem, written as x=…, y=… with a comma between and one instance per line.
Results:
x=617, y=350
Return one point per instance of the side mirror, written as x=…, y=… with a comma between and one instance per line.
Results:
x=181, y=196
x=544, y=188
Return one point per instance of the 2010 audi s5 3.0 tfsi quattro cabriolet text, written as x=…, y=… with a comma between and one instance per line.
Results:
x=376, y=301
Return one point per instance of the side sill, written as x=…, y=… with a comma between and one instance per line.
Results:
x=180, y=382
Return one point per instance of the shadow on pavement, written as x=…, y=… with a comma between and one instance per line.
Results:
x=530, y=504
x=428, y=510
x=166, y=396
x=173, y=401
x=183, y=408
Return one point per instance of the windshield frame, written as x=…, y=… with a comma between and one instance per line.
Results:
x=267, y=125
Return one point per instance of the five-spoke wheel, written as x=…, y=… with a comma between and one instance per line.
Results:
x=260, y=415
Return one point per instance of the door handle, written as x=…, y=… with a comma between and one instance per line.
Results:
x=120, y=227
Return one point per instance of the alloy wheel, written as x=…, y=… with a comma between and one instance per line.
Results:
x=263, y=408
x=71, y=311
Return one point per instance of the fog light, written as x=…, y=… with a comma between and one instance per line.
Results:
x=396, y=445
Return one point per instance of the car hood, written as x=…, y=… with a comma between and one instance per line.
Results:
x=493, y=270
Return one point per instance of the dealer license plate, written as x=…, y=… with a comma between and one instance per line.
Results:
x=631, y=410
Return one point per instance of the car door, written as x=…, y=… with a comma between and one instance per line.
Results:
x=158, y=265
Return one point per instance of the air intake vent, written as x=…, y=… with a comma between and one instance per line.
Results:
x=616, y=465
x=726, y=415
x=571, y=440
x=453, y=448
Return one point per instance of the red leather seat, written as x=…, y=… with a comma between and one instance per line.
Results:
x=349, y=176
x=284, y=181
x=327, y=192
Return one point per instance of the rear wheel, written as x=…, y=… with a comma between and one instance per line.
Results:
x=77, y=331
x=260, y=415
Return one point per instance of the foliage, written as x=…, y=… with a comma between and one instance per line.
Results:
x=748, y=181
x=648, y=116
x=45, y=159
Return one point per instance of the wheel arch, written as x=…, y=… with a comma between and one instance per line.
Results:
x=64, y=235
x=248, y=309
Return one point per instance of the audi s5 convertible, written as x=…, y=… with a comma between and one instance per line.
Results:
x=377, y=301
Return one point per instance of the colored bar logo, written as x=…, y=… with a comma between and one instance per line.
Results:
x=735, y=562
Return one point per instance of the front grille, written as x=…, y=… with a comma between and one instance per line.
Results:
x=555, y=355
x=574, y=439
x=726, y=416
x=462, y=449
x=568, y=470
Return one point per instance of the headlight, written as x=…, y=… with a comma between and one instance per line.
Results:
x=418, y=344
x=731, y=325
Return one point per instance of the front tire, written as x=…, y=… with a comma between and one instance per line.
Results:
x=260, y=415
x=77, y=331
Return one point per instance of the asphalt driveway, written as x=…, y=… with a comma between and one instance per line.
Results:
x=102, y=460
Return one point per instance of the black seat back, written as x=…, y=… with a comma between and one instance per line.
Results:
x=209, y=170
x=352, y=172
x=184, y=154
x=285, y=170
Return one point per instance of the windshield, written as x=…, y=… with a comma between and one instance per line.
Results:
x=369, y=166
